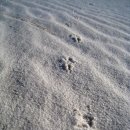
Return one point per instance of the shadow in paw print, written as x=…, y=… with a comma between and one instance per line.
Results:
x=91, y=4
x=75, y=38
x=71, y=60
x=80, y=120
x=62, y=64
x=66, y=64
x=89, y=119
x=68, y=24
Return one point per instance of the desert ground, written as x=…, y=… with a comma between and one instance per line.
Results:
x=64, y=64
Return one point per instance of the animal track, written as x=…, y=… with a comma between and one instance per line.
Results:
x=83, y=121
x=90, y=119
x=71, y=60
x=68, y=24
x=75, y=38
x=91, y=4
x=67, y=64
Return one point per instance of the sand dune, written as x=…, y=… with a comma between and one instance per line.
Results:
x=64, y=65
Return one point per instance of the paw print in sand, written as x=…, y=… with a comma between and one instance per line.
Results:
x=75, y=38
x=67, y=64
x=68, y=24
x=83, y=121
x=91, y=4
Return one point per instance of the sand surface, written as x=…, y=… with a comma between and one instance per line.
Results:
x=64, y=64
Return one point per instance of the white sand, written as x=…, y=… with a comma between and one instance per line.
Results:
x=64, y=64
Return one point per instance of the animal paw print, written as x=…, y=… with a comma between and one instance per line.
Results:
x=67, y=64
x=82, y=121
x=75, y=38
x=68, y=24
x=91, y=4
